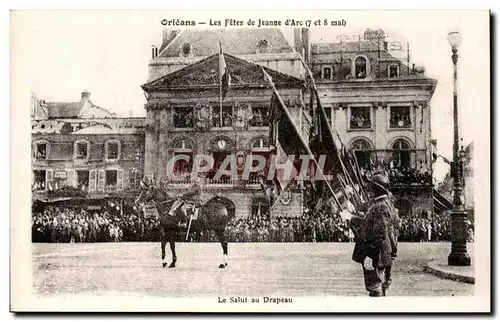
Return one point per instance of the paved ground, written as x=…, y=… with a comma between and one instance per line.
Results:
x=276, y=269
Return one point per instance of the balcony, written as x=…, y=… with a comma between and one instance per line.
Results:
x=219, y=183
x=406, y=168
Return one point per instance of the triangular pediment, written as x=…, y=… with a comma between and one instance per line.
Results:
x=205, y=73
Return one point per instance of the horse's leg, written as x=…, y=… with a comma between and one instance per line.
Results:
x=163, y=244
x=222, y=238
x=172, y=248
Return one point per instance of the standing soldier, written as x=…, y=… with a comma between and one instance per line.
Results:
x=376, y=245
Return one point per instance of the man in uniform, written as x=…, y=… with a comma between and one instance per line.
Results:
x=193, y=196
x=376, y=245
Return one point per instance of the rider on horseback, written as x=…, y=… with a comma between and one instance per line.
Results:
x=192, y=197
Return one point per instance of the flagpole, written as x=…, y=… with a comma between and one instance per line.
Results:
x=220, y=78
x=324, y=115
x=302, y=140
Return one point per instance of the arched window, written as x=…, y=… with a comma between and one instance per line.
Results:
x=362, y=149
x=260, y=209
x=183, y=144
x=186, y=50
x=259, y=146
x=360, y=68
x=184, y=147
x=400, y=154
x=263, y=46
x=221, y=147
x=228, y=203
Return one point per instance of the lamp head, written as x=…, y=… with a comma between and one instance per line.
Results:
x=454, y=39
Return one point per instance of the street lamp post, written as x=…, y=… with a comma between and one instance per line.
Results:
x=458, y=255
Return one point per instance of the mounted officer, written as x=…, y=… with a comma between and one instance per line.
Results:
x=191, y=199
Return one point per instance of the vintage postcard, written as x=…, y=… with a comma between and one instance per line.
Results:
x=250, y=161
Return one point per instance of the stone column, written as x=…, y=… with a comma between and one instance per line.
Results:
x=149, y=159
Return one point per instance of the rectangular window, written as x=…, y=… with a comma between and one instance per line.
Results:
x=400, y=117
x=181, y=165
x=82, y=179
x=81, y=150
x=260, y=116
x=227, y=116
x=113, y=150
x=327, y=72
x=183, y=117
x=39, y=178
x=360, y=117
x=219, y=157
x=41, y=151
x=111, y=179
x=133, y=178
x=393, y=71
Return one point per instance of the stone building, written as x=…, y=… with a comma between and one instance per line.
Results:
x=184, y=115
x=376, y=102
x=85, y=147
x=379, y=106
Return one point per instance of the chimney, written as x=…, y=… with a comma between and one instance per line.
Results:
x=167, y=37
x=85, y=95
x=154, y=51
x=164, y=38
x=130, y=114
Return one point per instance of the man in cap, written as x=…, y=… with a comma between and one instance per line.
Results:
x=376, y=246
x=193, y=195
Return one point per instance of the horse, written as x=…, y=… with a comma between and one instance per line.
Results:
x=212, y=215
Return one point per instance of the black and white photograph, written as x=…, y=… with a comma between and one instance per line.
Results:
x=250, y=161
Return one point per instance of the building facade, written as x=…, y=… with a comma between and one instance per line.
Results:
x=376, y=102
x=379, y=106
x=80, y=149
x=185, y=115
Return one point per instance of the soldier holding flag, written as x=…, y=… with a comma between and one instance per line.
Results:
x=376, y=241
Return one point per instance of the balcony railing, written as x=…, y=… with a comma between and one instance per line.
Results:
x=404, y=167
x=222, y=182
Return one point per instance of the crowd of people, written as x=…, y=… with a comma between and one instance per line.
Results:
x=407, y=175
x=64, y=225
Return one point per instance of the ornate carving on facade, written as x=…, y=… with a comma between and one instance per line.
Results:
x=421, y=104
x=158, y=105
x=213, y=76
x=379, y=104
x=202, y=117
x=338, y=106
x=222, y=143
x=243, y=113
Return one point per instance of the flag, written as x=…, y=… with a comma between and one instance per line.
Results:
x=224, y=76
x=286, y=145
x=323, y=141
x=287, y=140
